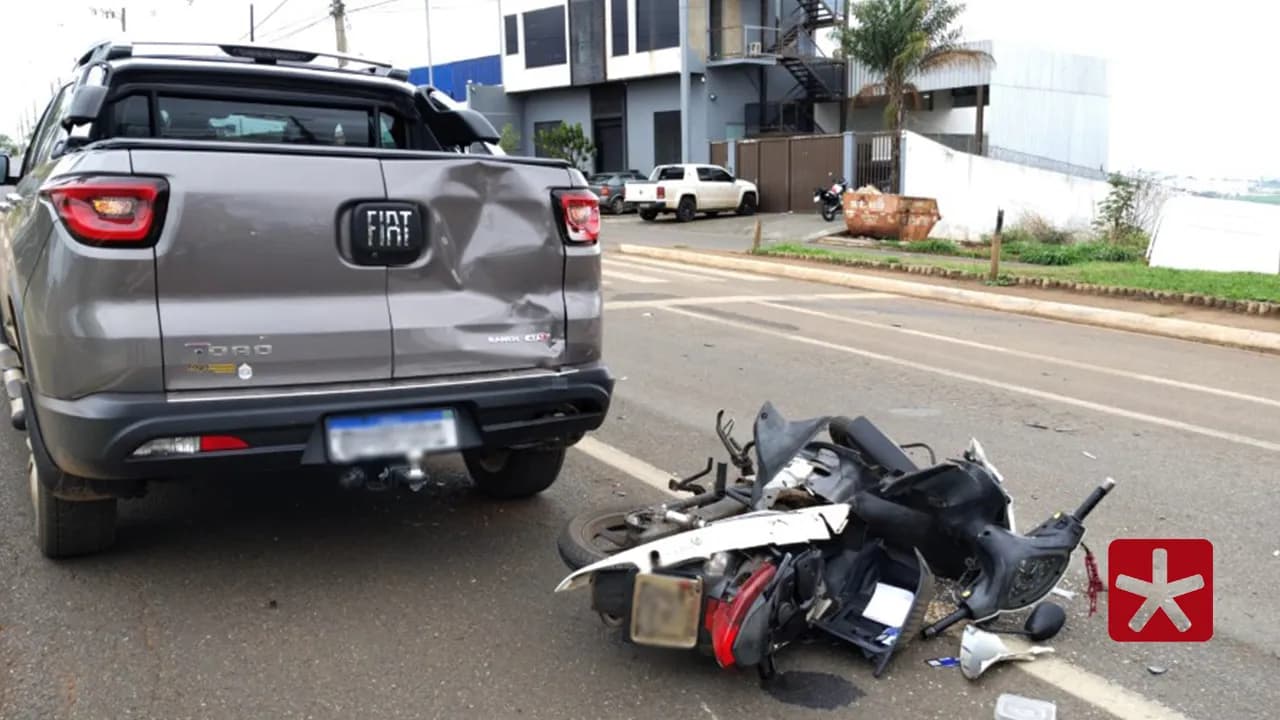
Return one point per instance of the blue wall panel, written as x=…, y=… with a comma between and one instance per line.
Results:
x=452, y=78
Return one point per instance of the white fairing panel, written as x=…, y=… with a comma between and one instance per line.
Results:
x=740, y=532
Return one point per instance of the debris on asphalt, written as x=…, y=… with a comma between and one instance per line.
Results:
x=979, y=650
x=1036, y=425
x=648, y=314
x=620, y=493
x=1276, y=553
x=273, y=604
x=1157, y=669
x=943, y=662
x=1060, y=592
x=1088, y=454
x=1017, y=707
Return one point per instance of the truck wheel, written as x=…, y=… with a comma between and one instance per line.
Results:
x=616, y=205
x=687, y=208
x=648, y=215
x=65, y=528
x=513, y=474
x=748, y=205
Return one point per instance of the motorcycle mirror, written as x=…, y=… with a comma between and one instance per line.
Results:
x=1045, y=621
x=979, y=650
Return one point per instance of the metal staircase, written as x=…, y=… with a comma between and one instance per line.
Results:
x=819, y=76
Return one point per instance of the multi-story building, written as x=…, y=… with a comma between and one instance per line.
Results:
x=654, y=81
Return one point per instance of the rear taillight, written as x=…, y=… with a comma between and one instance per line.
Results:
x=662, y=193
x=724, y=619
x=189, y=445
x=604, y=191
x=580, y=213
x=109, y=210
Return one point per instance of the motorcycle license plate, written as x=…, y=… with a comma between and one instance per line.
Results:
x=665, y=610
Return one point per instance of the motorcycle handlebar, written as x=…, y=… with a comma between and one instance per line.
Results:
x=936, y=629
x=1094, y=498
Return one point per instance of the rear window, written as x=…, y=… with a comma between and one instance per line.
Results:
x=669, y=173
x=189, y=118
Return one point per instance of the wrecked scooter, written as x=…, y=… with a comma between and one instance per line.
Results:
x=844, y=537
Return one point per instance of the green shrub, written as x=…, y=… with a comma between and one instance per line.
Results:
x=1043, y=231
x=1110, y=252
x=933, y=246
x=1041, y=254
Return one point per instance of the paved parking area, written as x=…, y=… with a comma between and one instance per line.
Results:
x=286, y=597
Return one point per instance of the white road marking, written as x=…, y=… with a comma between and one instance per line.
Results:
x=730, y=299
x=1031, y=356
x=728, y=274
x=624, y=463
x=643, y=279
x=1008, y=387
x=662, y=271
x=1092, y=689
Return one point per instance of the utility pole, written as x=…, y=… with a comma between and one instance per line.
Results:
x=251, y=22
x=431, y=75
x=339, y=12
x=122, y=24
x=684, y=80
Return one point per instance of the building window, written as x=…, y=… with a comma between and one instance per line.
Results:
x=544, y=38
x=666, y=137
x=968, y=97
x=619, y=22
x=513, y=34
x=657, y=24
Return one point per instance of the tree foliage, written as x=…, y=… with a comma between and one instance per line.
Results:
x=899, y=40
x=509, y=141
x=9, y=146
x=567, y=142
x=1131, y=209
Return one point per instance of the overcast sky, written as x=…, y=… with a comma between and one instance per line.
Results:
x=1193, y=86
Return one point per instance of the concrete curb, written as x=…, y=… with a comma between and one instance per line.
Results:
x=1101, y=317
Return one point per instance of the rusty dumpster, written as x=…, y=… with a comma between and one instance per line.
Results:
x=870, y=213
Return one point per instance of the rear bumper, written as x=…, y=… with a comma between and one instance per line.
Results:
x=94, y=437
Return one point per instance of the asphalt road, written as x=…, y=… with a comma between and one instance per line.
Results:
x=288, y=598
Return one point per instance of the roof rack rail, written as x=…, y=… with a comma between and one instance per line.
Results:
x=115, y=50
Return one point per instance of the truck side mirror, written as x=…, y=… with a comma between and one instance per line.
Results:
x=7, y=164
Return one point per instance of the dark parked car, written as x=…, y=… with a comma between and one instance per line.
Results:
x=227, y=258
x=608, y=187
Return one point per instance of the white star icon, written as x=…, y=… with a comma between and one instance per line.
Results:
x=1160, y=594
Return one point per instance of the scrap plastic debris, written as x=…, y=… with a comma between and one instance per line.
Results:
x=943, y=662
x=1017, y=707
x=1060, y=592
x=1157, y=669
x=1089, y=455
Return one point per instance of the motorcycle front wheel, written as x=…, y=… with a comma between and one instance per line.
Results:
x=593, y=536
x=828, y=212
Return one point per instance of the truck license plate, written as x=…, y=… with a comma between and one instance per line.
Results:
x=665, y=610
x=364, y=437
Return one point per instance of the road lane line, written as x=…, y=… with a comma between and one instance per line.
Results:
x=1030, y=355
x=1008, y=387
x=731, y=299
x=624, y=463
x=644, y=279
x=1092, y=689
x=728, y=274
x=617, y=264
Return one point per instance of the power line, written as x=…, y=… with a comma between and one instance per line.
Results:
x=372, y=5
x=264, y=20
x=308, y=26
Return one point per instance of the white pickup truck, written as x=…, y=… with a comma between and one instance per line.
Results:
x=689, y=189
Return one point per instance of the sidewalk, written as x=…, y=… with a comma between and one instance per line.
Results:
x=1194, y=323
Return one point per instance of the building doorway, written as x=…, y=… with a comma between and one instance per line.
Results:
x=610, y=148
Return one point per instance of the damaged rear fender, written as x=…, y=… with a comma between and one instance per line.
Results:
x=757, y=529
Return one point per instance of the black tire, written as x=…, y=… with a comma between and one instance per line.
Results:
x=747, y=206
x=686, y=209
x=648, y=215
x=67, y=529
x=513, y=474
x=616, y=205
x=828, y=212
x=580, y=542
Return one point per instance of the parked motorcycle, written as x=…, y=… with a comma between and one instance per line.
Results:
x=845, y=536
x=831, y=198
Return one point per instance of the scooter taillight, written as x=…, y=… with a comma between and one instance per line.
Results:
x=724, y=618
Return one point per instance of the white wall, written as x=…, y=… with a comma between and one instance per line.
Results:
x=1201, y=233
x=635, y=64
x=515, y=76
x=970, y=189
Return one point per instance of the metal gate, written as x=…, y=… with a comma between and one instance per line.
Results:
x=816, y=161
x=874, y=161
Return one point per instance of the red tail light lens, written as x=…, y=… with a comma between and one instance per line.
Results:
x=662, y=193
x=216, y=443
x=604, y=191
x=109, y=210
x=580, y=213
x=724, y=619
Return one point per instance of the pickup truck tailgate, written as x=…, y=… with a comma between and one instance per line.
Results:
x=251, y=282
x=488, y=295
x=641, y=192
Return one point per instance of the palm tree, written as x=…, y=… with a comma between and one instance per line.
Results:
x=900, y=40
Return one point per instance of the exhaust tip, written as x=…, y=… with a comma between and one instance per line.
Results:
x=18, y=414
